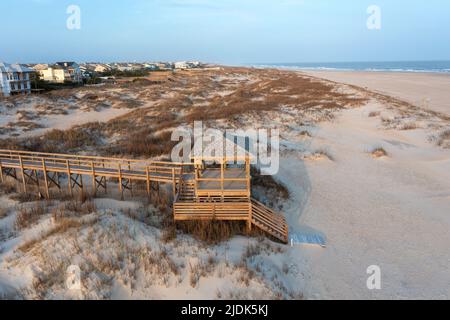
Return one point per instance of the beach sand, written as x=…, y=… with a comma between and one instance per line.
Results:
x=389, y=210
x=427, y=90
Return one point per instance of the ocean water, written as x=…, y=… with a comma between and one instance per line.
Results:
x=395, y=66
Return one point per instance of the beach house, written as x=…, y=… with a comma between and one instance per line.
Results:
x=62, y=72
x=14, y=79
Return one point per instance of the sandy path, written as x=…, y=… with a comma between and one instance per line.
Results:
x=429, y=90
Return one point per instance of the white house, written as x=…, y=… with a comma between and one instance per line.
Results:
x=101, y=68
x=14, y=79
x=187, y=64
x=62, y=72
x=181, y=65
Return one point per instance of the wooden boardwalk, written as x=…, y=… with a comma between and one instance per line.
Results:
x=200, y=192
x=98, y=169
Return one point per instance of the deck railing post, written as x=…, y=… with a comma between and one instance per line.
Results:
x=94, y=181
x=196, y=182
x=81, y=178
x=23, y=174
x=148, y=181
x=250, y=217
x=222, y=176
x=248, y=176
x=1, y=171
x=174, y=187
x=69, y=177
x=129, y=180
x=120, y=182
x=44, y=168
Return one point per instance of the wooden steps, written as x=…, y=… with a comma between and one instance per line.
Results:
x=188, y=207
x=269, y=221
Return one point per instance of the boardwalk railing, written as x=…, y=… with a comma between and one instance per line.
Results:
x=30, y=164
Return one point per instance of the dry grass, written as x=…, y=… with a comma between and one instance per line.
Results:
x=305, y=133
x=379, y=152
x=322, y=153
x=141, y=143
x=61, y=227
x=444, y=139
x=8, y=187
x=201, y=269
x=29, y=216
x=3, y=212
x=251, y=251
x=212, y=232
x=24, y=197
x=409, y=126
x=55, y=141
x=61, y=140
x=24, y=125
x=73, y=208
x=169, y=234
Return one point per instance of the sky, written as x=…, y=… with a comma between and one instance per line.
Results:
x=224, y=31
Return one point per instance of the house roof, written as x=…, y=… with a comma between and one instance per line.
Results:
x=55, y=66
x=66, y=64
x=40, y=66
x=6, y=67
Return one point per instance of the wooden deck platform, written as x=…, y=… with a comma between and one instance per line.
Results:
x=200, y=192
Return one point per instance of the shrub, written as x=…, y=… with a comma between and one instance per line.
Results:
x=409, y=126
x=3, y=212
x=28, y=216
x=69, y=139
x=140, y=143
x=444, y=139
x=379, y=152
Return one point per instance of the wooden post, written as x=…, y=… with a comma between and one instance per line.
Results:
x=130, y=181
x=247, y=170
x=69, y=177
x=36, y=176
x=222, y=176
x=250, y=217
x=94, y=182
x=44, y=168
x=57, y=181
x=81, y=179
x=174, y=187
x=120, y=182
x=1, y=172
x=23, y=174
x=196, y=181
x=148, y=181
